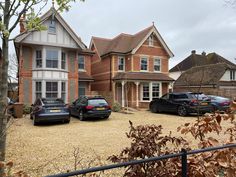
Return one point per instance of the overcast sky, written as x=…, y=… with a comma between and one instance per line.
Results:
x=185, y=25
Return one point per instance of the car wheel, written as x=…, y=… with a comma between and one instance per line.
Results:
x=67, y=121
x=182, y=111
x=81, y=116
x=154, y=108
x=106, y=117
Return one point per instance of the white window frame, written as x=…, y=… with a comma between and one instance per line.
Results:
x=38, y=91
x=52, y=91
x=79, y=57
x=144, y=58
x=150, y=90
x=232, y=75
x=154, y=83
x=36, y=59
x=154, y=64
x=58, y=58
x=65, y=60
x=119, y=59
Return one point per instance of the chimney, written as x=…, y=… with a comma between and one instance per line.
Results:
x=203, y=53
x=22, y=24
x=193, y=52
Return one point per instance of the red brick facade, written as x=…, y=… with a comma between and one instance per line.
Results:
x=105, y=67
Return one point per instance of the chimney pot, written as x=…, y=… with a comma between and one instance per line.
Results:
x=193, y=52
x=203, y=53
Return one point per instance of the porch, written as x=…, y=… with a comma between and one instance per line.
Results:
x=138, y=89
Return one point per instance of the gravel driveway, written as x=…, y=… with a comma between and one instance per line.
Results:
x=48, y=149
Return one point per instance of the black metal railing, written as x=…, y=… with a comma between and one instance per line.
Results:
x=183, y=154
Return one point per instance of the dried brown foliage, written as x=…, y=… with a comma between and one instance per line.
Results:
x=7, y=170
x=148, y=141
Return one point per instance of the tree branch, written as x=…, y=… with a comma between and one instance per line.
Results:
x=1, y=5
x=14, y=10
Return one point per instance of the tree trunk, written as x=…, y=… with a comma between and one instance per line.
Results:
x=3, y=83
x=3, y=100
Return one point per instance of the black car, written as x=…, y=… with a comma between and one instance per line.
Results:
x=95, y=106
x=182, y=103
x=49, y=109
x=219, y=103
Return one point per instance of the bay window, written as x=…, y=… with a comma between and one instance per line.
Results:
x=38, y=89
x=51, y=89
x=38, y=56
x=51, y=58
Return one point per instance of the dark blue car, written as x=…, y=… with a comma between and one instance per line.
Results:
x=49, y=109
x=219, y=103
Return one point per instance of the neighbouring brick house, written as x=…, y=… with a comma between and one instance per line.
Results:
x=132, y=68
x=218, y=78
x=195, y=59
x=53, y=62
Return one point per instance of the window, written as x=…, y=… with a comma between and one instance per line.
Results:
x=52, y=27
x=52, y=59
x=51, y=90
x=144, y=64
x=63, y=91
x=38, y=58
x=38, y=89
x=81, y=64
x=146, y=91
x=121, y=63
x=155, y=90
x=150, y=40
x=232, y=75
x=63, y=60
x=157, y=64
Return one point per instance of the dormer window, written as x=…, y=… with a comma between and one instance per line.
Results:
x=52, y=26
x=150, y=40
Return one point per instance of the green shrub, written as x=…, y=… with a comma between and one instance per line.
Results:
x=116, y=107
x=26, y=109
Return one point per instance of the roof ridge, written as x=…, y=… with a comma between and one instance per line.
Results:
x=95, y=37
x=143, y=30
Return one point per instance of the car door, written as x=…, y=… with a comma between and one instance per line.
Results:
x=165, y=103
x=79, y=105
x=73, y=108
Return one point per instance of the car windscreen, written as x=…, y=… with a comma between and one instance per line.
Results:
x=97, y=102
x=53, y=101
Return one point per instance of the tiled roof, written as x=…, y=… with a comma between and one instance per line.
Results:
x=125, y=43
x=142, y=76
x=83, y=76
x=203, y=75
x=122, y=43
x=199, y=60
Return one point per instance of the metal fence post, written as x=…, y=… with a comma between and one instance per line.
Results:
x=184, y=163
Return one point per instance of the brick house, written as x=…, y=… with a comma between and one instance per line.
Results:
x=133, y=68
x=211, y=73
x=195, y=59
x=213, y=79
x=53, y=62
